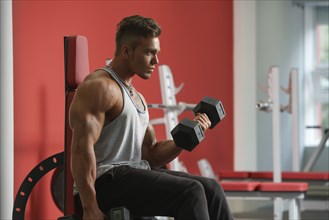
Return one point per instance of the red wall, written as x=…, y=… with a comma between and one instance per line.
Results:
x=197, y=43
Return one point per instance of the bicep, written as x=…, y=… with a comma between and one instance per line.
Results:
x=148, y=142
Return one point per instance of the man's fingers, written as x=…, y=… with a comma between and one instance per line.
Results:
x=203, y=120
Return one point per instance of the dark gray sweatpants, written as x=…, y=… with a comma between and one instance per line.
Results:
x=161, y=192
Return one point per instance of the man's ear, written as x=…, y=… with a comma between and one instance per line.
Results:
x=125, y=49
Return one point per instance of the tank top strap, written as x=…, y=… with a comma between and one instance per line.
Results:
x=114, y=76
x=124, y=88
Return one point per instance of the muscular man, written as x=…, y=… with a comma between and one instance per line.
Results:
x=115, y=156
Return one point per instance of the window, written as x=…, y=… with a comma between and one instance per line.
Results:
x=316, y=87
x=322, y=53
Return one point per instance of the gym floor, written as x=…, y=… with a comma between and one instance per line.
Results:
x=263, y=210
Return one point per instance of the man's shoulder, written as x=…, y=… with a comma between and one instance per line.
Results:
x=99, y=81
x=98, y=91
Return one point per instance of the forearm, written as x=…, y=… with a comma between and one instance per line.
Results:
x=83, y=168
x=163, y=152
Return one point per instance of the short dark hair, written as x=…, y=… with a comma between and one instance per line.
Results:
x=135, y=26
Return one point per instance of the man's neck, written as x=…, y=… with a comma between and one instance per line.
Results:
x=121, y=70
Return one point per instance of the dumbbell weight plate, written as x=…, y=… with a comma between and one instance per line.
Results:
x=187, y=134
x=57, y=188
x=119, y=213
x=212, y=108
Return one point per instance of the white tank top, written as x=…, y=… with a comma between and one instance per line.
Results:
x=120, y=142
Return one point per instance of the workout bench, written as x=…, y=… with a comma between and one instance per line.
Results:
x=76, y=62
x=76, y=68
x=239, y=185
x=318, y=181
x=310, y=177
x=289, y=191
x=255, y=184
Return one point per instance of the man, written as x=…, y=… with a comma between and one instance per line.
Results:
x=115, y=156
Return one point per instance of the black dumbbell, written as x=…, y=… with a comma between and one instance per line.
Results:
x=187, y=134
x=119, y=213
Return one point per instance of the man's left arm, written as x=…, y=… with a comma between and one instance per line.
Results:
x=158, y=153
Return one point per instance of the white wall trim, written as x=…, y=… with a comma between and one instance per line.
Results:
x=7, y=111
x=245, y=143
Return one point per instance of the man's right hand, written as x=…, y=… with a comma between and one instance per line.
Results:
x=93, y=215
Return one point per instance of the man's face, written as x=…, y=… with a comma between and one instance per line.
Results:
x=144, y=57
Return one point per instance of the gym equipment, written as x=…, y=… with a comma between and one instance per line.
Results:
x=316, y=153
x=57, y=192
x=180, y=107
x=206, y=169
x=276, y=148
x=170, y=119
x=292, y=192
x=57, y=187
x=31, y=180
x=212, y=108
x=120, y=213
x=187, y=134
x=76, y=64
x=273, y=104
x=315, y=198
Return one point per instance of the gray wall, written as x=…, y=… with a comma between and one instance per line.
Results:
x=279, y=41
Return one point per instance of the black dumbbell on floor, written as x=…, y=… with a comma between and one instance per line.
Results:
x=188, y=133
x=119, y=213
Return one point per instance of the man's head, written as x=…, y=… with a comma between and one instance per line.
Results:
x=130, y=29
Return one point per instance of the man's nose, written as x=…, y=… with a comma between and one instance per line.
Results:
x=155, y=60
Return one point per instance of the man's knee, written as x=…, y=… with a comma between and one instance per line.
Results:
x=212, y=185
x=196, y=190
x=197, y=186
x=195, y=202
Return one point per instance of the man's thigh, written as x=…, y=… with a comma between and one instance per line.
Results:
x=182, y=174
x=143, y=192
x=210, y=185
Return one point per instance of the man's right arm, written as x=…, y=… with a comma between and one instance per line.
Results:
x=87, y=115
